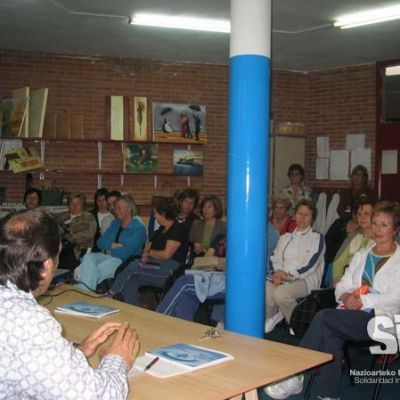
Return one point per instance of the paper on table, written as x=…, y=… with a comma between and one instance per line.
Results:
x=339, y=165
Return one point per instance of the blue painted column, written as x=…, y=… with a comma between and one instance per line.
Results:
x=248, y=165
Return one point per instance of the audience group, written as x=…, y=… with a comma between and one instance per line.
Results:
x=358, y=257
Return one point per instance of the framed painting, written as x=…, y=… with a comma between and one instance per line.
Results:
x=13, y=115
x=179, y=123
x=140, y=158
x=140, y=119
x=188, y=162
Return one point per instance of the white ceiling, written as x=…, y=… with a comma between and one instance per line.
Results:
x=65, y=26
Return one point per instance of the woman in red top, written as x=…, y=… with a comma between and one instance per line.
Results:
x=280, y=218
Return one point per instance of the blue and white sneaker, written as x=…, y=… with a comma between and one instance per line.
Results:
x=285, y=388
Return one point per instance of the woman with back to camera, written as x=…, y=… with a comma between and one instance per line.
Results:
x=203, y=231
x=297, y=265
x=297, y=189
x=369, y=288
x=36, y=361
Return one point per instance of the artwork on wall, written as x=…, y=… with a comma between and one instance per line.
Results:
x=140, y=158
x=37, y=110
x=188, y=162
x=13, y=112
x=183, y=123
x=23, y=92
x=140, y=119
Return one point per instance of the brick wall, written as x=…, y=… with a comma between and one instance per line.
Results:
x=329, y=102
x=340, y=101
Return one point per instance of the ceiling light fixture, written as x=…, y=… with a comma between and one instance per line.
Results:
x=168, y=21
x=393, y=70
x=368, y=17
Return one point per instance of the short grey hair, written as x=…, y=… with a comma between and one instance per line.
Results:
x=80, y=196
x=130, y=202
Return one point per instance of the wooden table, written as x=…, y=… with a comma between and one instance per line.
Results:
x=257, y=362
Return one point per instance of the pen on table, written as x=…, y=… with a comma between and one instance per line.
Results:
x=151, y=363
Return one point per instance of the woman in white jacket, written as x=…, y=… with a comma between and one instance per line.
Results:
x=296, y=265
x=376, y=271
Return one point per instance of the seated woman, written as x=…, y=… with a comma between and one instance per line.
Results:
x=297, y=189
x=125, y=238
x=36, y=361
x=203, y=231
x=101, y=212
x=360, y=239
x=187, y=202
x=377, y=267
x=161, y=257
x=32, y=198
x=280, y=218
x=297, y=265
x=79, y=230
x=357, y=190
x=338, y=232
x=185, y=296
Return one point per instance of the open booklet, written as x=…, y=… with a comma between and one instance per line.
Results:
x=178, y=359
x=85, y=309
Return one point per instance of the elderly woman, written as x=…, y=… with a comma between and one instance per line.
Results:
x=377, y=269
x=297, y=189
x=79, y=231
x=297, y=265
x=161, y=257
x=280, y=218
x=36, y=361
x=360, y=239
x=358, y=189
x=203, y=231
x=125, y=238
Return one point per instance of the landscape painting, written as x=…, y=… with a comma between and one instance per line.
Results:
x=187, y=162
x=179, y=123
x=140, y=158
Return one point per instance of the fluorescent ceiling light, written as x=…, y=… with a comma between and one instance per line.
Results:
x=392, y=71
x=168, y=21
x=368, y=17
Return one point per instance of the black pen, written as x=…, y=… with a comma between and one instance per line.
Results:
x=151, y=363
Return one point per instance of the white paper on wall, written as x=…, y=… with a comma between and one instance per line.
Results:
x=322, y=168
x=389, y=162
x=361, y=157
x=355, y=141
x=323, y=146
x=339, y=165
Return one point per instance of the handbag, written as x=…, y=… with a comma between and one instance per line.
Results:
x=308, y=306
